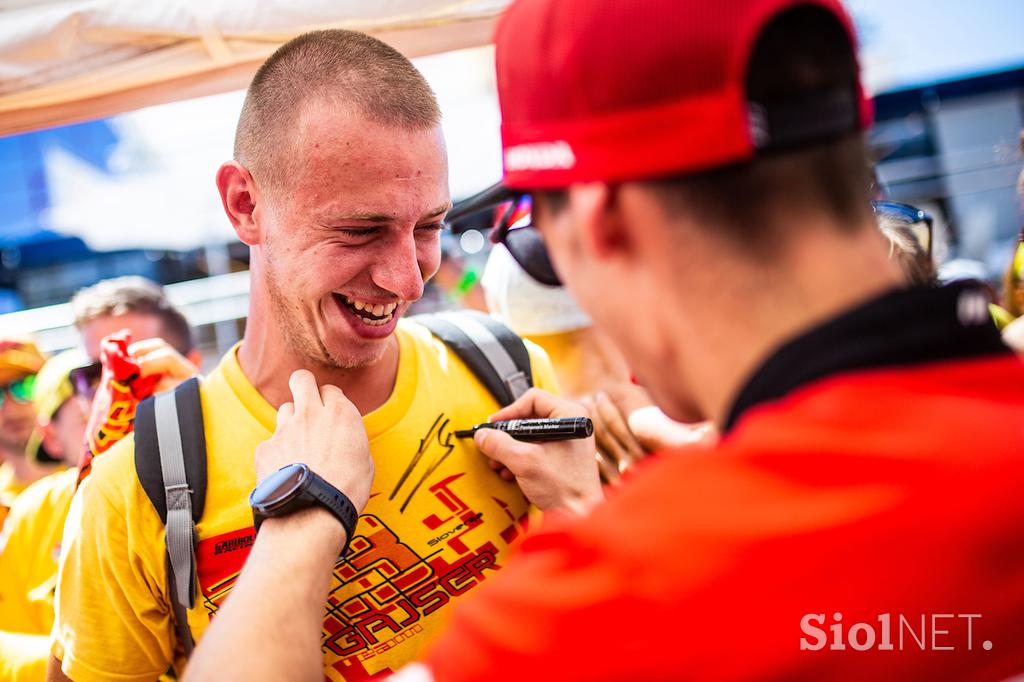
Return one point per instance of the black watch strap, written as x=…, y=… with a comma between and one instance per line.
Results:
x=316, y=491
x=336, y=502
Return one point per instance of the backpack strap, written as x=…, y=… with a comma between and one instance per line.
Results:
x=170, y=461
x=494, y=353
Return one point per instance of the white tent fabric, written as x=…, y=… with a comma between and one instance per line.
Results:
x=157, y=190
x=63, y=61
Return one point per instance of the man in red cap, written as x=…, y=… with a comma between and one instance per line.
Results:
x=699, y=177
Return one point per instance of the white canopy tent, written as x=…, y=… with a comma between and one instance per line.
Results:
x=68, y=61
x=64, y=61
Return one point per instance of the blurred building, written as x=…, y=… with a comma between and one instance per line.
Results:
x=134, y=194
x=954, y=148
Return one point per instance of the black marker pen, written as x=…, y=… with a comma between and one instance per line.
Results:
x=538, y=430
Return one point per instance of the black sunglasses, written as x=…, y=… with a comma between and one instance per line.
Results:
x=85, y=380
x=920, y=222
x=520, y=238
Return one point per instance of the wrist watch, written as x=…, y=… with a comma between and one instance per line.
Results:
x=296, y=487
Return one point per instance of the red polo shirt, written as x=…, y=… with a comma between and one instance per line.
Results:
x=874, y=506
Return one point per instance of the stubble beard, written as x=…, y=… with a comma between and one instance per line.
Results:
x=300, y=335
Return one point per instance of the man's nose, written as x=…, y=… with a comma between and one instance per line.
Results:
x=399, y=271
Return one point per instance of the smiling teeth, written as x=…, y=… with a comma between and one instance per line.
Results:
x=381, y=312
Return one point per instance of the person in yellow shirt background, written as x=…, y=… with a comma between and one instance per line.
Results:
x=30, y=544
x=30, y=541
x=20, y=360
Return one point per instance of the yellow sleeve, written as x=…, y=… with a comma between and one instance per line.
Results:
x=112, y=622
x=543, y=372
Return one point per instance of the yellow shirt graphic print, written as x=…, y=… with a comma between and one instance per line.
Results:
x=430, y=533
x=438, y=524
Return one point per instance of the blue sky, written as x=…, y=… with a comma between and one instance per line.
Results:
x=909, y=42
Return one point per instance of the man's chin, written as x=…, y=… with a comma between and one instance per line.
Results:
x=350, y=344
x=357, y=355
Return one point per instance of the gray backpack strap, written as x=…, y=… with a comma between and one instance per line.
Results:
x=492, y=351
x=180, y=536
x=170, y=460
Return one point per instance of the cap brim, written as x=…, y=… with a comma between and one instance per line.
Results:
x=489, y=198
x=10, y=373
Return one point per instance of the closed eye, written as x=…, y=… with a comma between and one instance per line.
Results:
x=433, y=227
x=357, y=232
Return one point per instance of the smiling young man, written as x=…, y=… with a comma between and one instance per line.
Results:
x=30, y=544
x=339, y=186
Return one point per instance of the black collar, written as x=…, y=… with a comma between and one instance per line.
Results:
x=902, y=327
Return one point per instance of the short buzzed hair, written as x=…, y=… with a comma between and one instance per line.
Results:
x=132, y=294
x=336, y=66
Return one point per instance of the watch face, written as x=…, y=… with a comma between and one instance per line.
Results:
x=279, y=486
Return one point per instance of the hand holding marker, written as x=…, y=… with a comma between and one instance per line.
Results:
x=538, y=430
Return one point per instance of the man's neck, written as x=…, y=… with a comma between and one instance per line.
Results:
x=268, y=361
x=824, y=274
x=269, y=370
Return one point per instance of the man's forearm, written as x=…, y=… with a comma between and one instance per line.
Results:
x=269, y=627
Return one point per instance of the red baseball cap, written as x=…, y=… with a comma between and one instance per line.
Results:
x=621, y=90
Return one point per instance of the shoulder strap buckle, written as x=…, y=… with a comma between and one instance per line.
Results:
x=170, y=460
x=494, y=353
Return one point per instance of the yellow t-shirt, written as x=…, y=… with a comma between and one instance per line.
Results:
x=438, y=523
x=29, y=553
x=10, y=488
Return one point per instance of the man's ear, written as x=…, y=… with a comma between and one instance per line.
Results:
x=239, y=195
x=596, y=210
